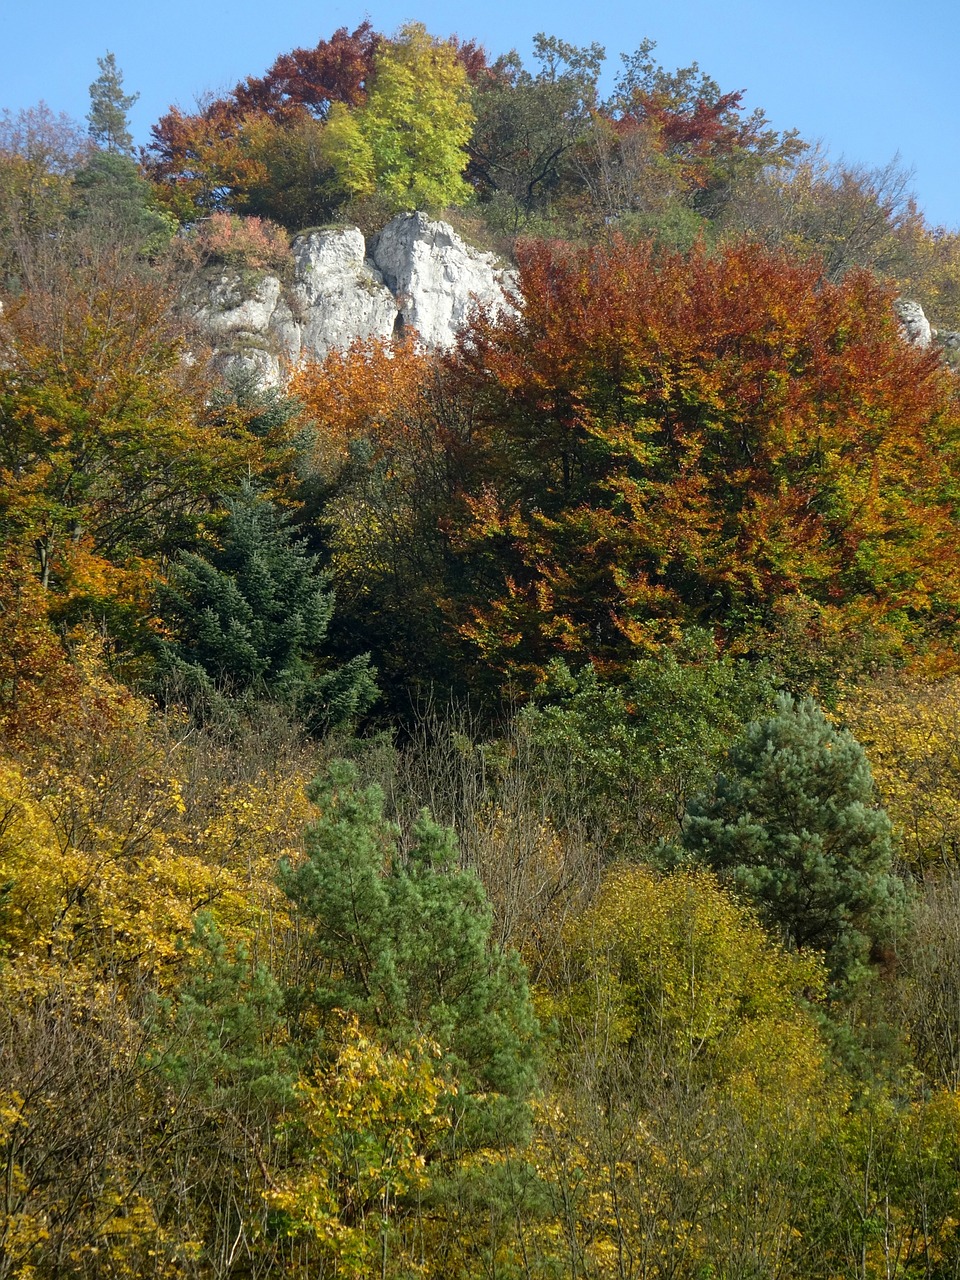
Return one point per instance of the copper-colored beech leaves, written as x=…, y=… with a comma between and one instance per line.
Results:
x=673, y=439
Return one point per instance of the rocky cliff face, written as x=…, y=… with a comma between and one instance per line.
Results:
x=416, y=274
x=917, y=330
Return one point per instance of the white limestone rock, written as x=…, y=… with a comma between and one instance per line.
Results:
x=420, y=276
x=235, y=305
x=913, y=323
x=249, y=323
x=339, y=294
x=436, y=278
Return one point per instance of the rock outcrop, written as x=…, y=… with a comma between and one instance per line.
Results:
x=914, y=324
x=338, y=292
x=416, y=274
x=436, y=278
x=917, y=330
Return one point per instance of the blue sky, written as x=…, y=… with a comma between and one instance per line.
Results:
x=868, y=79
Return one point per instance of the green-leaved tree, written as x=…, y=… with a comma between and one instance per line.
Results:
x=407, y=142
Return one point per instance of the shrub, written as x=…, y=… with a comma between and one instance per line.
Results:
x=224, y=239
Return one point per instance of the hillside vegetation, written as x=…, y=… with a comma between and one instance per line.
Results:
x=493, y=812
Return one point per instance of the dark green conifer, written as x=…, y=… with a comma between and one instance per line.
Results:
x=793, y=825
x=250, y=618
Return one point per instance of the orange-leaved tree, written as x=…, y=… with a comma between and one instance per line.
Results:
x=668, y=440
x=110, y=448
x=391, y=453
x=227, y=149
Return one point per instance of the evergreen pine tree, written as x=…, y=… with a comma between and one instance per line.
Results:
x=117, y=204
x=404, y=941
x=793, y=826
x=250, y=618
x=109, y=105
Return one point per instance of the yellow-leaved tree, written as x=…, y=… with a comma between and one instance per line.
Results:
x=692, y=1090
x=910, y=730
x=374, y=1117
x=407, y=142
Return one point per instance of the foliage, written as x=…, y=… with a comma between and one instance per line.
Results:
x=691, y=1084
x=39, y=686
x=791, y=824
x=116, y=204
x=109, y=457
x=391, y=449
x=292, y=181
x=662, y=485
x=202, y=163
x=375, y=1119
x=108, y=108
x=704, y=132
x=629, y=753
x=929, y=970
x=408, y=138
x=223, y=1032
x=908, y=727
x=251, y=615
x=688, y=975
x=335, y=70
x=355, y=114
x=669, y=152
x=402, y=939
x=707, y=439
x=251, y=144
x=225, y=240
x=39, y=152
x=527, y=126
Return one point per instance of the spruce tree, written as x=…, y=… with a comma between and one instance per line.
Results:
x=109, y=105
x=250, y=619
x=792, y=824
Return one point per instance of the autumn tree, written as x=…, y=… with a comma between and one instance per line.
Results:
x=391, y=450
x=260, y=143
x=201, y=162
x=407, y=140
x=908, y=725
x=312, y=80
x=668, y=151
x=109, y=454
x=705, y=132
x=294, y=182
x=357, y=114
x=663, y=440
x=848, y=215
x=39, y=153
x=691, y=1086
x=373, y=1124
